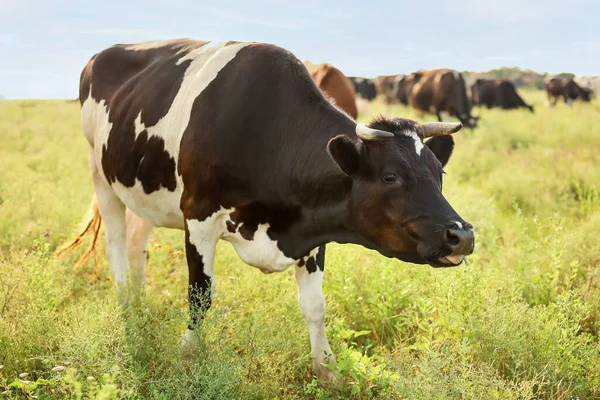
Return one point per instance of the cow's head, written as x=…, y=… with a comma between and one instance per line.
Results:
x=396, y=203
x=586, y=94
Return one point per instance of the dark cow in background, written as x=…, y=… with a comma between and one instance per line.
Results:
x=337, y=87
x=364, y=87
x=234, y=141
x=497, y=93
x=440, y=90
x=566, y=88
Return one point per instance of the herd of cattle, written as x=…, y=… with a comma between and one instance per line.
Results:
x=437, y=91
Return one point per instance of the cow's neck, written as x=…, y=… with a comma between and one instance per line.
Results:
x=324, y=192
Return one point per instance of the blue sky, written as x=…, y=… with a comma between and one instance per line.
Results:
x=44, y=44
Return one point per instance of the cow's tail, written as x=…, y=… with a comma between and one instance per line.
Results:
x=89, y=226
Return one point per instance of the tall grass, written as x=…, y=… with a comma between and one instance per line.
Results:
x=520, y=321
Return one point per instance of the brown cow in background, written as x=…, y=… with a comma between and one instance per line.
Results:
x=497, y=93
x=440, y=90
x=566, y=88
x=390, y=89
x=337, y=87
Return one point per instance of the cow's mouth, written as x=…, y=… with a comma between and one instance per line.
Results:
x=447, y=261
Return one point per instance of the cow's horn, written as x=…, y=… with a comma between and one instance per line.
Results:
x=366, y=133
x=430, y=129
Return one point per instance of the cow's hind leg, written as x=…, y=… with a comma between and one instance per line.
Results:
x=138, y=234
x=568, y=101
x=112, y=211
x=200, y=241
x=309, y=277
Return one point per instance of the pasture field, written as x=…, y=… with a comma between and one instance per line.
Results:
x=520, y=321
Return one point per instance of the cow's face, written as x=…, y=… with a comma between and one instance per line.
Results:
x=396, y=203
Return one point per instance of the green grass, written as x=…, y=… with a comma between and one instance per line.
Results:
x=521, y=321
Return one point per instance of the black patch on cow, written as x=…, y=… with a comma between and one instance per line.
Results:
x=231, y=227
x=199, y=284
x=314, y=263
x=321, y=257
x=311, y=265
x=147, y=160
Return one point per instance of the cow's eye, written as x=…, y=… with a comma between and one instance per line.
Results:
x=390, y=178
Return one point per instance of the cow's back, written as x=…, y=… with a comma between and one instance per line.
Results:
x=555, y=87
x=420, y=89
x=337, y=87
x=433, y=89
x=483, y=92
x=507, y=96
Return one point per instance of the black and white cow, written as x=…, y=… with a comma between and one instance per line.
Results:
x=234, y=141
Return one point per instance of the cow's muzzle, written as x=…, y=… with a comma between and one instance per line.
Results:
x=460, y=240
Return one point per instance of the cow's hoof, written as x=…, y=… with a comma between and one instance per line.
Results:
x=189, y=349
x=324, y=374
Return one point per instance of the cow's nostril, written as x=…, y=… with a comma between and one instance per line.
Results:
x=452, y=238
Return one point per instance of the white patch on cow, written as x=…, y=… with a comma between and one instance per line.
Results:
x=203, y=235
x=456, y=75
x=460, y=226
x=160, y=208
x=260, y=252
x=206, y=63
x=94, y=120
x=418, y=142
x=312, y=305
x=139, y=125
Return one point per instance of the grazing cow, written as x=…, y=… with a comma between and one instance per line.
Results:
x=336, y=87
x=364, y=87
x=566, y=88
x=389, y=88
x=440, y=90
x=497, y=93
x=234, y=141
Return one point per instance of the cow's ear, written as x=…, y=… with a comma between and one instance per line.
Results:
x=345, y=154
x=442, y=147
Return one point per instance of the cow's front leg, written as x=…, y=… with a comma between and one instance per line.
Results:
x=309, y=277
x=200, y=242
